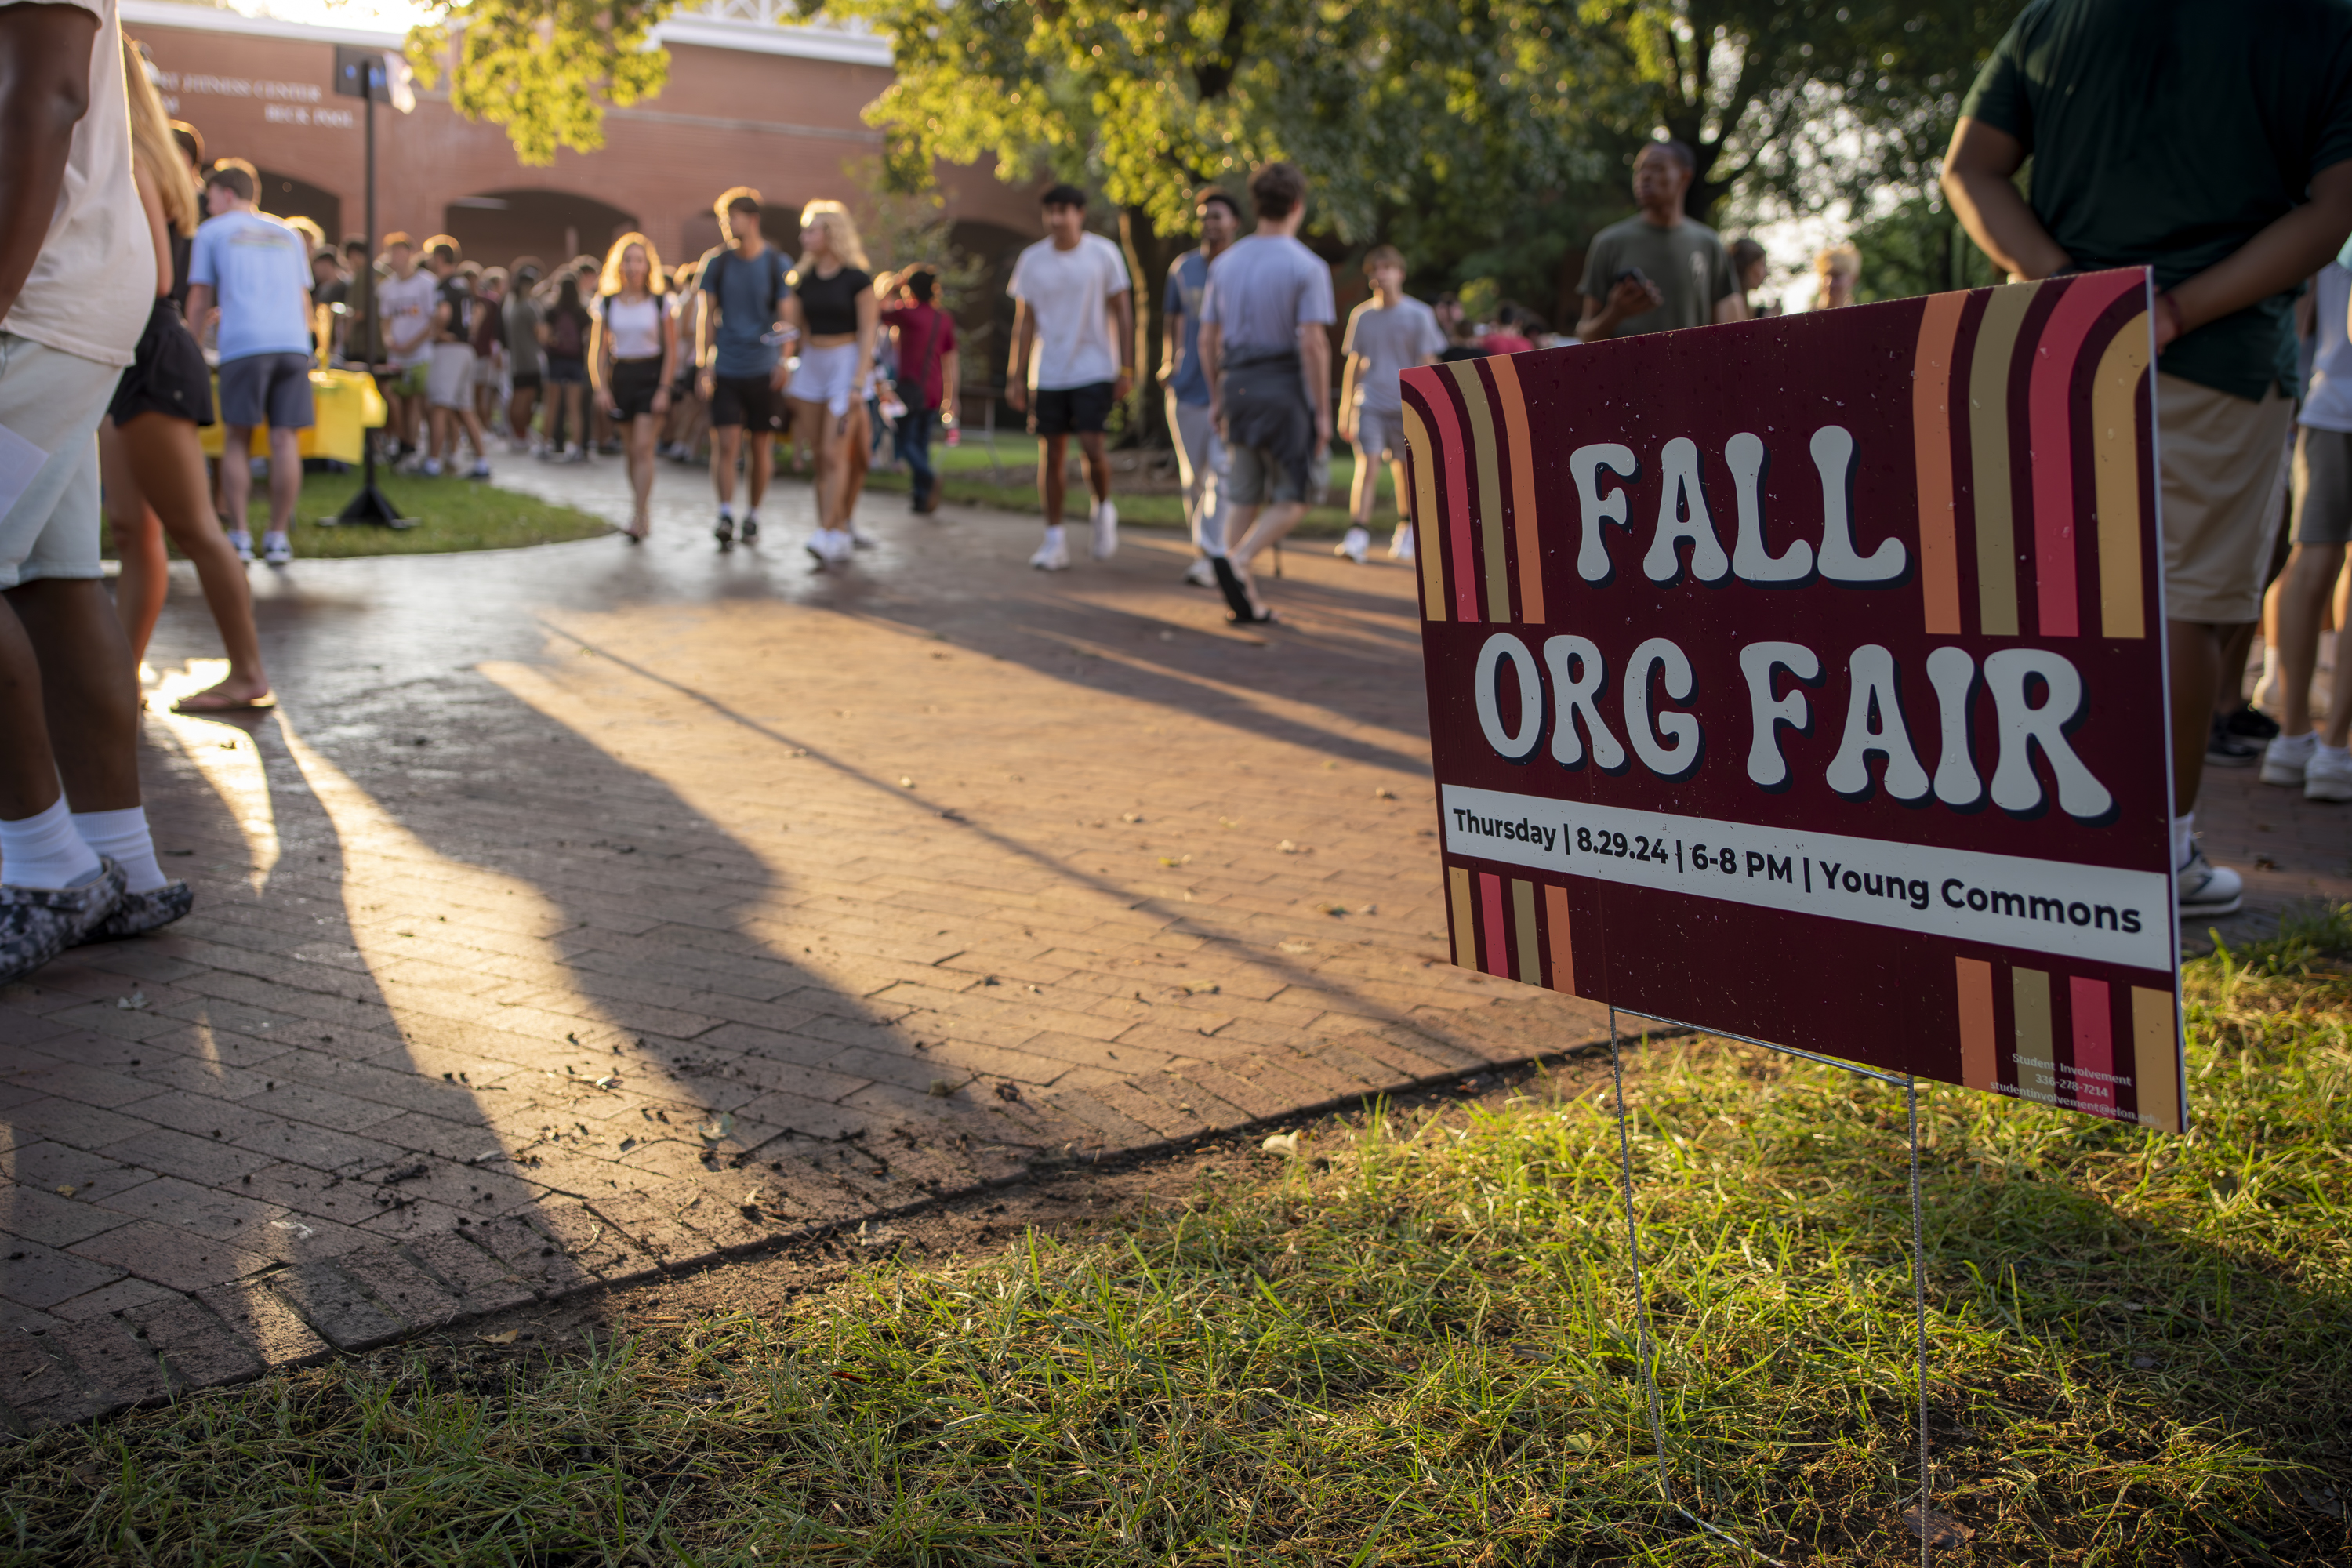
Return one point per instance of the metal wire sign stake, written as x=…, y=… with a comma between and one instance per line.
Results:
x=1803, y=680
x=1910, y=1086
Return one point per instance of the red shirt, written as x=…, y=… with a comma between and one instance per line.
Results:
x=925, y=335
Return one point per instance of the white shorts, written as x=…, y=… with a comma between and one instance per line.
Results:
x=828, y=376
x=50, y=404
x=449, y=377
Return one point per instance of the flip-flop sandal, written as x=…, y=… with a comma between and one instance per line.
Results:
x=257, y=705
x=1229, y=582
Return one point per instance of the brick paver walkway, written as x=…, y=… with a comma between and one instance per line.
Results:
x=589, y=910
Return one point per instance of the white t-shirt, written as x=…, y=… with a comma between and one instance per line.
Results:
x=407, y=306
x=2327, y=401
x=92, y=288
x=1069, y=293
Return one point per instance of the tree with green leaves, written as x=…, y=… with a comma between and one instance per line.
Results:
x=543, y=68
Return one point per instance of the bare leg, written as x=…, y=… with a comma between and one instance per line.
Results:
x=1397, y=485
x=726, y=441
x=2196, y=661
x=834, y=435
x=237, y=476
x=473, y=434
x=641, y=472
x=762, y=465
x=2232, y=680
x=1097, y=461
x=1365, y=493
x=2300, y=602
x=88, y=690
x=519, y=411
x=169, y=470
x=1053, y=475
x=28, y=768
x=1272, y=524
x=284, y=478
x=138, y=542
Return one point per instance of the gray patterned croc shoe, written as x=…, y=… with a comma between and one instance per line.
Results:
x=136, y=914
x=37, y=924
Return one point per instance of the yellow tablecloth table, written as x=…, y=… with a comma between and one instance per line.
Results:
x=347, y=405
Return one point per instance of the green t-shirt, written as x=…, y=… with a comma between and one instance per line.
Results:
x=2168, y=133
x=1686, y=262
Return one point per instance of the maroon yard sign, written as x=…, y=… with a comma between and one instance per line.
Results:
x=1804, y=679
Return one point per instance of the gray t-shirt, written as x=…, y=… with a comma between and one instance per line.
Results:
x=1686, y=262
x=1391, y=340
x=1263, y=290
x=524, y=356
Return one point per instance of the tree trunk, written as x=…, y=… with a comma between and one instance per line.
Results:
x=1148, y=257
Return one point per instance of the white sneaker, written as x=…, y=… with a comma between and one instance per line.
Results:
x=859, y=539
x=2328, y=776
x=242, y=542
x=276, y=549
x=841, y=543
x=1054, y=555
x=481, y=469
x=574, y=453
x=819, y=548
x=1401, y=543
x=2284, y=759
x=2207, y=890
x=430, y=467
x=1105, y=521
x=1201, y=575
x=1359, y=541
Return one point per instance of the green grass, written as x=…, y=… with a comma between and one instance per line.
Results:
x=1413, y=1345
x=968, y=478
x=452, y=514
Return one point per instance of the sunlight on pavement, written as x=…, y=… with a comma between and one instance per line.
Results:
x=227, y=757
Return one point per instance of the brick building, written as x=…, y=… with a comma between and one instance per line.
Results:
x=748, y=102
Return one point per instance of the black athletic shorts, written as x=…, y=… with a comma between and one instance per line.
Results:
x=1062, y=410
x=168, y=375
x=745, y=400
x=634, y=382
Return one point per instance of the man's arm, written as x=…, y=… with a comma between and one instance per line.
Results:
x=1348, y=375
x=1213, y=361
x=1122, y=316
x=1315, y=362
x=1977, y=170
x=44, y=93
x=2289, y=250
x=1016, y=368
x=200, y=306
x=1601, y=318
x=1172, y=338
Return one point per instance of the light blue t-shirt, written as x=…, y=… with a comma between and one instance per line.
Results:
x=1188, y=282
x=260, y=274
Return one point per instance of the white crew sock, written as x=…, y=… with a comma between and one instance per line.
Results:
x=45, y=851
x=123, y=836
x=727, y=509
x=1053, y=534
x=2266, y=689
x=2184, y=835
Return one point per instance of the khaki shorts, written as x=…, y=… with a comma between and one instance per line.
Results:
x=51, y=401
x=2224, y=473
x=2323, y=487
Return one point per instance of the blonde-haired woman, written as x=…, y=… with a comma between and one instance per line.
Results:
x=152, y=462
x=1837, y=270
x=631, y=353
x=834, y=307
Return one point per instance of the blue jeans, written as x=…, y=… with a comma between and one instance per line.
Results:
x=915, y=428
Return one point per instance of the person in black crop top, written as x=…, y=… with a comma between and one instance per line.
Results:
x=833, y=306
x=829, y=305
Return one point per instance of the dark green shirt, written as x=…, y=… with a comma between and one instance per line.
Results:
x=2168, y=133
